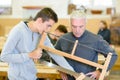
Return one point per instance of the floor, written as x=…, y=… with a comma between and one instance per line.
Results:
x=114, y=75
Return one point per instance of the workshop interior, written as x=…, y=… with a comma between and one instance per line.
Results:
x=14, y=11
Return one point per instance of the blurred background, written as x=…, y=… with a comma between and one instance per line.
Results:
x=13, y=11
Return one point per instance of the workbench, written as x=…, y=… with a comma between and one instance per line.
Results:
x=42, y=71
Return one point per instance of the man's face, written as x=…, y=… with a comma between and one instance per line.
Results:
x=45, y=26
x=58, y=34
x=101, y=25
x=78, y=26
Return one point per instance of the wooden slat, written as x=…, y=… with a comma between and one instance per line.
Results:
x=81, y=77
x=74, y=48
x=106, y=64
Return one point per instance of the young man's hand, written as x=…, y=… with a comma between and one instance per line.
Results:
x=36, y=54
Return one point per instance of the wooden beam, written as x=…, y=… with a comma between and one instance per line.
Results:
x=74, y=48
x=105, y=67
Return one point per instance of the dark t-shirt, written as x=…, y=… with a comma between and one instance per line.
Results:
x=105, y=33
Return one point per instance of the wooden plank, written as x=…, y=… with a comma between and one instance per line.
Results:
x=106, y=64
x=81, y=77
x=74, y=48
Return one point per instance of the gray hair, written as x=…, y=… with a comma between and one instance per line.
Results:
x=78, y=14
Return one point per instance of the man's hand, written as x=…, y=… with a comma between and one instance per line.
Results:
x=36, y=54
x=94, y=75
x=63, y=75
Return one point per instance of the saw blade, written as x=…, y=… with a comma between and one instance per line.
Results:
x=72, y=73
x=49, y=64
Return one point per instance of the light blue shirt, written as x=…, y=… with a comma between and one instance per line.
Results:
x=21, y=41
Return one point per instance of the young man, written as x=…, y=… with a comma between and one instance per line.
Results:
x=89, y=45
x=20, y=49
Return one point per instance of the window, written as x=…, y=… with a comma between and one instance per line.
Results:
x=103, y=3
x=110, y=3
x=5, y=7
x=81, y=2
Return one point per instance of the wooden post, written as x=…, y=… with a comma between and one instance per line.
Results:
x=43, y=37
x=106, y=64
x=81, y=77
x=74, y=48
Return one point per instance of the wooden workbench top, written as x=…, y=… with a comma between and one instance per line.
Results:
x=40, y=68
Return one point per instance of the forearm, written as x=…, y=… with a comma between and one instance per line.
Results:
x=15, y=58
x=112, y=62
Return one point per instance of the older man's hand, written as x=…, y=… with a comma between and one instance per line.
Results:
x=94, y=75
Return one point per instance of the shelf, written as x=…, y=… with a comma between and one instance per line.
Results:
x=32, y=7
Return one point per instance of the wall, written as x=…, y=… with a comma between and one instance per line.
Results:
x=118, y=6
x=60, y=6
x=18, y=12
x=92, y=24
x=6, y=24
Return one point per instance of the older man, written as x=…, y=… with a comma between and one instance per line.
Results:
x=89, y=45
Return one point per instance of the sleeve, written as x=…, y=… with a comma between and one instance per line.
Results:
x=60, y=60
x=10, y=53
x=105, y=48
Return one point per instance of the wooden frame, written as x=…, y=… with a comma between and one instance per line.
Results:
x=71, y=56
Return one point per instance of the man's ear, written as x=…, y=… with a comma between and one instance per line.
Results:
x=39, y=20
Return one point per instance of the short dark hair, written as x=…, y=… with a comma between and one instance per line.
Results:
x=62, y=28
x=46, y=14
